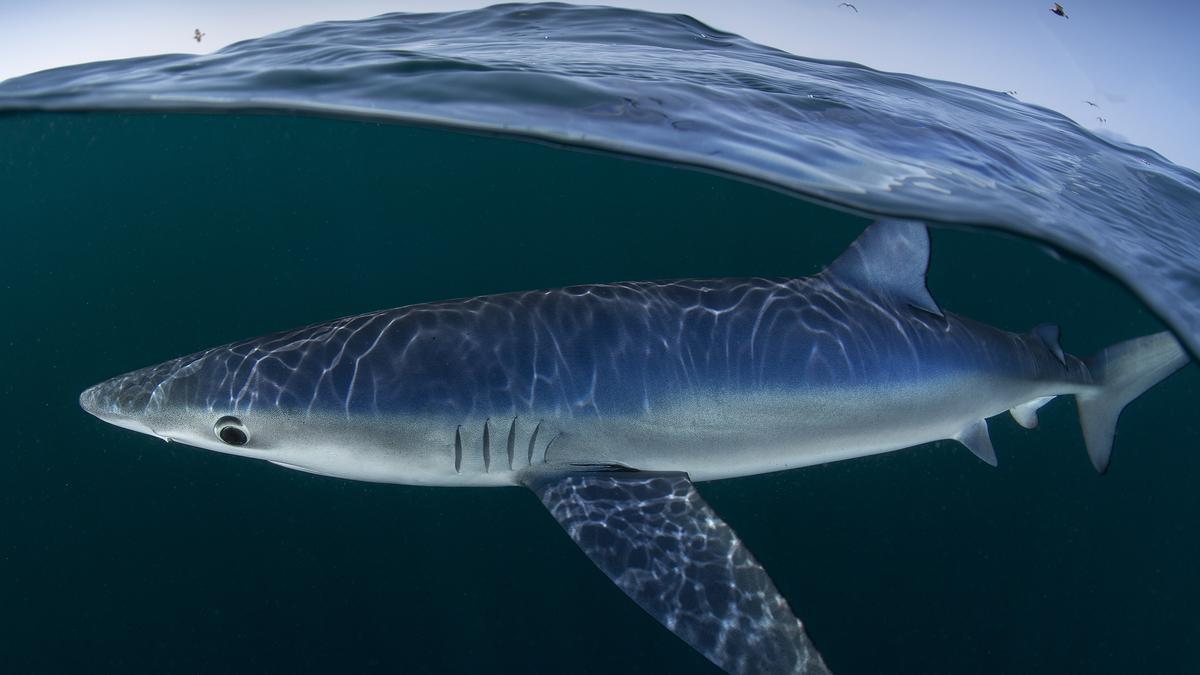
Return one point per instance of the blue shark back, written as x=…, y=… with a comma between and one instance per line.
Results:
x=600, y=350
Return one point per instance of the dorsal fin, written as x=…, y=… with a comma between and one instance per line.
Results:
x=890, y=258
x=1049, y=333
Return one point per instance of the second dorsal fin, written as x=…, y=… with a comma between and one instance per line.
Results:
x=890, y=259
x=1048, y=333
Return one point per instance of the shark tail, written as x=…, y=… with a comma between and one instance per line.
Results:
x=1121, y=373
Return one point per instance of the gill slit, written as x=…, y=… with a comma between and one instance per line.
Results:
x=487, y=445
x=458, y=449
x=546, y=450
x=532, y=441
x=512, y=441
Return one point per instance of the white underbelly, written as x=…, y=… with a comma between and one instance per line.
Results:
x=726, y=436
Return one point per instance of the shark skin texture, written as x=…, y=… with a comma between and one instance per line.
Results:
x=608, y=401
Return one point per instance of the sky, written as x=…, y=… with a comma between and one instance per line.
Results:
x=1135, y=60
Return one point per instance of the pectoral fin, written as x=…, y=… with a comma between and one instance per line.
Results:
x=658, y=540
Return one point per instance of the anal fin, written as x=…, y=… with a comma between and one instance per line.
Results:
x=655, y=537
x=977, y=440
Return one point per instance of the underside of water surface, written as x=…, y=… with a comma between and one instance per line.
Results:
x=670, y=88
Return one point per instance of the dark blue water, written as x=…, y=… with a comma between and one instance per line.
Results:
x=130, y=238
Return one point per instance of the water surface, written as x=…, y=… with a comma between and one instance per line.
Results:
x=669, y=88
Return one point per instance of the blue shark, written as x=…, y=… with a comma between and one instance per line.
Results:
x=610, y=401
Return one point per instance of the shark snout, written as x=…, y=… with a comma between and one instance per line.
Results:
x=97, y=400
x=107, y=401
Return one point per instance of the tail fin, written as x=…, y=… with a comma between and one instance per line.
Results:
x=1123, y=372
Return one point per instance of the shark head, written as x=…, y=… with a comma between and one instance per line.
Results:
x=251, y=400
x=136, y=400
x=181, y=401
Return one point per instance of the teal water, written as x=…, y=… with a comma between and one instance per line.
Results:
x=133, y=238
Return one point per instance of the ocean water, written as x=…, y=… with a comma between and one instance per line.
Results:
x=132, y=237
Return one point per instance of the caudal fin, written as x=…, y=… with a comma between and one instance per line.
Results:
x=1123, y=372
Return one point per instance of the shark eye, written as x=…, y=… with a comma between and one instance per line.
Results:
x=230, y=430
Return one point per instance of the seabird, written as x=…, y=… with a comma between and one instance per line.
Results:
x=198, y=36
x=846, y=4
x=1058, y=9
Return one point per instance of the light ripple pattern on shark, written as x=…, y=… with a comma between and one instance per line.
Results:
x=591, y=351
x=620, y=389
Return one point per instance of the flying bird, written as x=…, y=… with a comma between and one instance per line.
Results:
x=1102, y=120
x=1058, y=9
x=1011, y=92
x=846, y=4
x=198, y=36
x=1091, y=103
